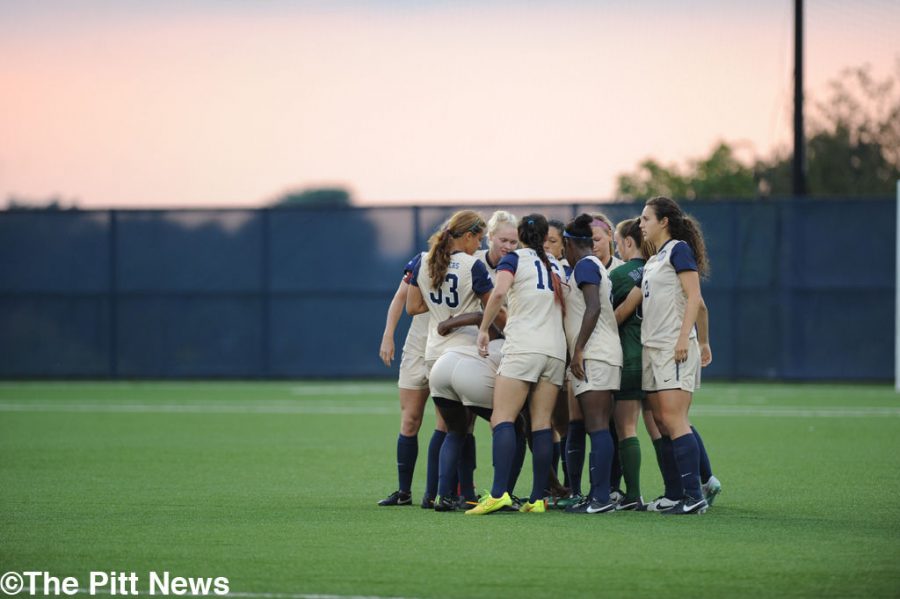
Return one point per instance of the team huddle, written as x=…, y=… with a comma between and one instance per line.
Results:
x=553, y=339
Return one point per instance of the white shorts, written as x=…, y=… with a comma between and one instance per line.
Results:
x=598, y=376
x=532, y=368
x=413, y=373
x=463, y=378
x=661, y=372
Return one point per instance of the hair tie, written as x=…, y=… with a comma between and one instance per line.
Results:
x=599, y=223
x=529, y=221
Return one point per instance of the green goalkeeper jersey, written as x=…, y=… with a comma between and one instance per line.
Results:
x=625, y=278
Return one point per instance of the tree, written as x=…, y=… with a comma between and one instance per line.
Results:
x=319, y=197
x=853, y=150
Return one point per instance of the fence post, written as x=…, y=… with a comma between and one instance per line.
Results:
x=265, y=293
x=113, y=297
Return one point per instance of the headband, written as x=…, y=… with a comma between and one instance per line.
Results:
x=568, y=235
x=599, y=223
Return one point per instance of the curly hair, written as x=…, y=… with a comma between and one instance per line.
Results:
x=683, y=228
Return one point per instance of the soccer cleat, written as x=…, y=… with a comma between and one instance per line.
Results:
x=661, y=504
x=489, y=504
x=538, y=507
x=686, y=506
x=566, y=502
x=632, y=505
x=396, y=498
x=446, y=504
x=616, y=495
x=465, y=504
x=514, y=506
x=592, y=506
x=711, y=488
x=427, y=502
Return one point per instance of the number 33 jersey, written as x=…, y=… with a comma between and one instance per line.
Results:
x=460, y=292
x=535, y=323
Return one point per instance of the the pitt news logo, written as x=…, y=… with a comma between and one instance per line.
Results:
x=110, y=583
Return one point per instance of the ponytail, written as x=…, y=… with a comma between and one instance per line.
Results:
x=532, y=233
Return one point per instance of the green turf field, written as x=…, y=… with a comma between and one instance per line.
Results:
x=273, y=485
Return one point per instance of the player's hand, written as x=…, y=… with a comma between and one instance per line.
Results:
x=577, y=365
x=387, y=350
x=681, y=350
x=705, y=355
x=483, y=340
x=443, y=328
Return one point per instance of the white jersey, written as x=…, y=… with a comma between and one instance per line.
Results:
x=491, y=268
x=614, y=262
x=417, y=335
x=460, y=292
x=664, y=300
x=603, y=344
x=535, y=324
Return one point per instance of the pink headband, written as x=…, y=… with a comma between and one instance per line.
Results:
x=599, y=223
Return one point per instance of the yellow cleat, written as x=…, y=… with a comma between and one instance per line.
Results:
x=488, y=504
x=538, y=507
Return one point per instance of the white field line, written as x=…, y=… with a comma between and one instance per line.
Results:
x=384, y=408
x=256, y=595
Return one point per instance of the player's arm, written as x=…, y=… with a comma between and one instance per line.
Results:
x=629, y=305
x=591, y=294
x=493, y=307
x=690, y=283
x=386, y=352
x=703, y=334
x=415, y=303
x=468, y=319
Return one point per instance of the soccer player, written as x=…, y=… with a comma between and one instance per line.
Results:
x=671, y=354
x=555, y=247
x=502, y=239
x=533, y=361
x=635, y=251
x=450, y=281
x=601, y=232
x=595, y=357
x=413, y=385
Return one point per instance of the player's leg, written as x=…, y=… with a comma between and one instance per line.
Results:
x=625, y=415
x=456, y=417
x=575, y=445
x=413, y=398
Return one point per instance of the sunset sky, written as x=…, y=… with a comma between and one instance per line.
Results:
x=223, y=103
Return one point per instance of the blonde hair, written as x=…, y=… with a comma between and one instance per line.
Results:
x=500, y=218
x=462, y=222
x=605, y=219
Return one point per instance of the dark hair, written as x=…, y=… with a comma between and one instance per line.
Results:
x=533, y=230
x=556, y=224
x=631, y=228
x=579, y=231
x=683, y=228
x=462, y=222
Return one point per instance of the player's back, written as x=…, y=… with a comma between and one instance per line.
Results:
x=535, y=318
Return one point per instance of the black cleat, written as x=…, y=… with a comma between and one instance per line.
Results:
x=686, y=506
x=396, y=498
x=446, y=504
x=591, y=506
x=427, y=502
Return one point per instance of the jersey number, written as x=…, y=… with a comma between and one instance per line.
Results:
x=452, y=299
x=540, y=273
x=646, y=288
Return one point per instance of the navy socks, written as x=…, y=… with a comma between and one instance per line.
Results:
x=504, y=453
x=434, y=453
x=407, y=452
x=518, y=460
x=467, y=468
x=449, y=459
x=602, y=449
x=542, y=457
x=705, y=467
x=671, y=476
x=687, y=457
x=575, y=454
